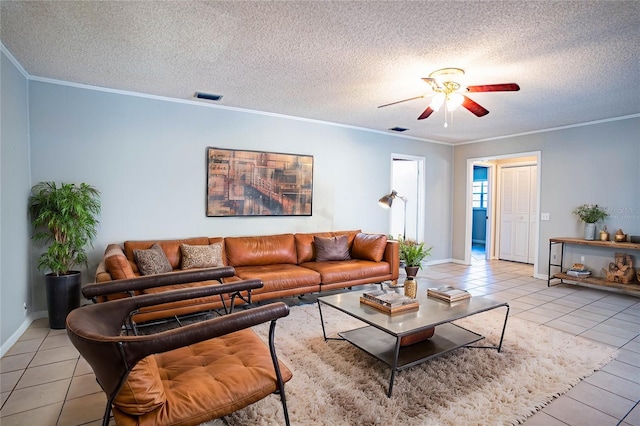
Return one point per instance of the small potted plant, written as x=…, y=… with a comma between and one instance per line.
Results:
x=590, y=214
x=412, y=254
x=64, y=217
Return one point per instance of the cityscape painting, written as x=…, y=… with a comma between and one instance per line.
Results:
x=254, y=183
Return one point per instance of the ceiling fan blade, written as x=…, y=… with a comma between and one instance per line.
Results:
x=426, y=113
x=404, y=100
x=474, y=107
x=432, y=82
x=505, y=87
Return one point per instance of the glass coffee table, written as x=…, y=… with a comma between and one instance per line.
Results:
x=382, y=336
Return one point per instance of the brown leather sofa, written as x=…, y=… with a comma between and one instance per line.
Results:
x=287, y=264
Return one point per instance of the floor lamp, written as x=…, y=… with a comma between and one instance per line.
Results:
x=386, y=202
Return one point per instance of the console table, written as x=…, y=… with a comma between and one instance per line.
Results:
x=632, y=288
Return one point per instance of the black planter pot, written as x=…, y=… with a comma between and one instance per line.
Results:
x=411, y=271
x=63, y=296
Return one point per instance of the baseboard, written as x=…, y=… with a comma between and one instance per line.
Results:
x=438, y=262
x=20, y=331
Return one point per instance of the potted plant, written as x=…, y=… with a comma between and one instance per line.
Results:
x=412, y=254
x=590, y=214
x=64, y=218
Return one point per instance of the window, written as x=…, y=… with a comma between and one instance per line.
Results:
x=479, y=199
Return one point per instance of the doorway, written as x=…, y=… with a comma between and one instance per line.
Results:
x=480, y=204
x=493, y=237
x=407, y=217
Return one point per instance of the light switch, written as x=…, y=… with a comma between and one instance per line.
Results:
x=544, y=216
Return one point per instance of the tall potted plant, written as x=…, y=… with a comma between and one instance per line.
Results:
x=64, y=217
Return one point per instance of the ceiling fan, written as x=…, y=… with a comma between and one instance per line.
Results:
x=447, y=88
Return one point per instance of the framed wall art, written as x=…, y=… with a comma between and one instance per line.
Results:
x=255, y=183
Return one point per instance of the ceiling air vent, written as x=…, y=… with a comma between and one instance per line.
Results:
x=207, y=96
x=398, y=129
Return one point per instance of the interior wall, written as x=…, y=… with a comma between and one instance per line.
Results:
x=596, y=163
x=14, y=177
x=147, y=156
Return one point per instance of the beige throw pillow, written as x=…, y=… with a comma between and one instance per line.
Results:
x=152, y=261
x=201, y=256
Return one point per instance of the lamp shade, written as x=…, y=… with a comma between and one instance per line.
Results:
x=387, y=200
x=454, y=100
x=437, y=101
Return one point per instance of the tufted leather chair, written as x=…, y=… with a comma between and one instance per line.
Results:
x=188, y=375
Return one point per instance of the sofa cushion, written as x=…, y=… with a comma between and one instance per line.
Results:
x=207, y=256
x=152, y=261
x=238, y=365
x=117, y=263
x=369, y=246
x=331, y=248
x=143, y=390
x=278, y=277
x=348, y=270
x=259, y=251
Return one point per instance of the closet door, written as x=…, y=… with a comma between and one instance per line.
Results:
x=516, y=216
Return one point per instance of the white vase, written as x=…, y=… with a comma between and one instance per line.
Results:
x=589, y=231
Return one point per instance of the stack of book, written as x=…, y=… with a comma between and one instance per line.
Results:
x=448, y=293
x=389, y=302
x=578, y=270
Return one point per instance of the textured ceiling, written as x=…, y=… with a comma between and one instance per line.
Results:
x=575, y=61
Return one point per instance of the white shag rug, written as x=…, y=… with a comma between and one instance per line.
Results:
x=335, y=383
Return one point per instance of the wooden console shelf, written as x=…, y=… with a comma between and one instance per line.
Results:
x=631, y=288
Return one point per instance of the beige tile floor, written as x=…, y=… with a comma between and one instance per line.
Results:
x=45, y=382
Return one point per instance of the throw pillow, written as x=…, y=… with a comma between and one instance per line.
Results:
x=331, y=248
x=152, y=261
x=369, y=246
x=207, y=256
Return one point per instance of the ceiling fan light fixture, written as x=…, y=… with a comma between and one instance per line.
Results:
x=445, y=75
x=437, y=101
x=454, y=100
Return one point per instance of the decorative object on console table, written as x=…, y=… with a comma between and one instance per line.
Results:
x=621, y=271
x=590, y=214
x=620, y=236
x=254, y=183
x=448, y=293
x=64, y=217
x=389, y=302
x=578, y=270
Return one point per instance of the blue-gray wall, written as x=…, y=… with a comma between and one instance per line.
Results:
x=147, y=156
x=15, y=288
x=597, y=163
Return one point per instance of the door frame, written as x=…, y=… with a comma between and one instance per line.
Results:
x=493, y=197
x=420, y=225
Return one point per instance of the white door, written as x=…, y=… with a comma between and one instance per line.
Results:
x=407, y=181
x=518, y=221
